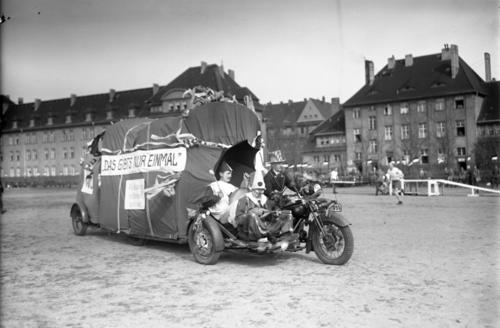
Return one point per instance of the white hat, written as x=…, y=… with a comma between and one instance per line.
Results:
x=256, y=181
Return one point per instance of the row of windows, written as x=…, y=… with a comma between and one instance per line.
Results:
x=326, y=158
x=404, y=108
x=169, y=107
x=422, y=130
x=67, y=135
x=45, y=171
x=327, y=141
x=424, y=153
x=32, y=154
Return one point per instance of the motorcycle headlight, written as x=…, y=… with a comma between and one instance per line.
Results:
x=316, y=187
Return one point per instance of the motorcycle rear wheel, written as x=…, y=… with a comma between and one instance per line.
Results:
x=335, y=246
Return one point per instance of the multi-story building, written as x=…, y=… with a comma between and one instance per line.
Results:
x=288, y=124
x=418, y=109
x=43, y=141
x=326, y=146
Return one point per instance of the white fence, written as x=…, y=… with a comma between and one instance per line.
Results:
x=432, y=186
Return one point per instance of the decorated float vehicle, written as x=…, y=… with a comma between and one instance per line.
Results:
x=144, y=177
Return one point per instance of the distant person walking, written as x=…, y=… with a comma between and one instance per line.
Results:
x=334, y=177
x=395, y=175
x=2, y=210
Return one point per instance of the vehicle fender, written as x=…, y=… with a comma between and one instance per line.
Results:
x=339, y=219
x=83, y=210
x=214, y=229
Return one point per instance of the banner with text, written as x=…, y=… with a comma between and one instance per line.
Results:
x=167, y=159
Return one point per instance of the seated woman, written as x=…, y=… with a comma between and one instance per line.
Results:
x=253, y=218
x=220, y=192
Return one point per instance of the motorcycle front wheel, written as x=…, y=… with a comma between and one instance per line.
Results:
x=204, y=240
x=334, y=245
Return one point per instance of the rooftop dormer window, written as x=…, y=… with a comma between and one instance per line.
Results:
x=109, y=115
x=14, y=124
x=32, y=123
x=88, y=117
x=68, y=119
x=131, y=113
x=50, y=120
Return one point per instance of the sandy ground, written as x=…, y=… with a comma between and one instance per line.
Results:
x=433, y=262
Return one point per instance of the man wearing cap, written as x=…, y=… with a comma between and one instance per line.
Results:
x=276, y=179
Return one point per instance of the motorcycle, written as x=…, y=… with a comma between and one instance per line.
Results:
x=319, y=223
x=317, y=226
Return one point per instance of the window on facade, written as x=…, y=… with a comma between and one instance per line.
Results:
x=65, y=170
x=28, y=155
x=34, y=155
x=424, y=156
x=440, y=129
x=373, y=122
x=421, y=107
x=53, y=171
x=12, y=156
x=356, y=113
x=72, y=152
x=11, y=141
x=422, y=130
x=72, y=170
x=65, y=153
x=316, y=158
x=326, y=158
x=18, y=172
x=439, y=105
x=336, y=158
x=35, y=171
x=387, y=110
x=18, y=156
x=405, y=131
x=389, y=156
x=460, y=128
x=459, y=103
x=357, y=135
x=404, y=109
x=11, y=172
x=372, y=146
x=461, y=151
x=388, y=133
x=52, y=153
x=46, y=153
x=358, y=156
x=52, y=137
x=46, y=171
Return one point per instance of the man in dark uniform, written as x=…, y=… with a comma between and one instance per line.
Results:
x=276, y=179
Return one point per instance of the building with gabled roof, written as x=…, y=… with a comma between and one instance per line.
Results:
x=288, y=124
x=44, y=140
x=416, y=109
x=326, y=146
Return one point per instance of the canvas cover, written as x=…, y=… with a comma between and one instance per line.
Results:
x=152, y=171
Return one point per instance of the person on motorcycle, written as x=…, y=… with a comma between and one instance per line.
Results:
x=254, y=219
x=276, y=179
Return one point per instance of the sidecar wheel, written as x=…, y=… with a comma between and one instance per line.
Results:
x=335, y=246
x=205, y=241
x=79, y=227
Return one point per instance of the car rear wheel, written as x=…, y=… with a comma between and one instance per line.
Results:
x=79, y=227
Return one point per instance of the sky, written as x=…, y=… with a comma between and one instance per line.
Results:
x=279, y=49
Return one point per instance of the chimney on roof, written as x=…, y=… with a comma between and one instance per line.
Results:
x=335, y=104
x=323, y=99
x=203, y=67
x=221, y=70
x=38, y=101
x=112, y=93
x=408, y=60
x=391, y=62
x=20, y=101
x=369, y=75
x=230, y=72
x=290, y=101
x=454, y=60
x=487, y=67
x=156, y=88
x=445, y=52
x=72, y=100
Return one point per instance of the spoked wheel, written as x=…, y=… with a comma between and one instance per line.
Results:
x=205, y=241
x=333, y=245
x=79, y=227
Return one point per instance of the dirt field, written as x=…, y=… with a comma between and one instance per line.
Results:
x=432, y=262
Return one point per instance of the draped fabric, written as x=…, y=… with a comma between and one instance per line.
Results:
x=161, y=210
